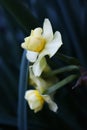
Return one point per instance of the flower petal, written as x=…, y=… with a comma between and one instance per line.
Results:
x=55, y=44
x=52, y=105
x=38, y=82
x=52, y=47
x=39, y=66
x=47, y=30
x=31, y=56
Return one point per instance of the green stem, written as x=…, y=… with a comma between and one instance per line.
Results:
x=60, y=84
x=68, y=59
x=62, y=70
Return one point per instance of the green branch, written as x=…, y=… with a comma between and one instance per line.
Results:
x=68, y=59
x=60, y=84
x=69, y=68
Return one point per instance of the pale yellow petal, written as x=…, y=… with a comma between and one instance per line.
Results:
x=36, y=32
x=47, y=30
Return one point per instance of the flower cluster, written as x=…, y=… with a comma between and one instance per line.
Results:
x=40, y=43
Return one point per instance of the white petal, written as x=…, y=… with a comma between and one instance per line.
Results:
x=39, y=66
x=31, y=56
x=47, y=30
x=52, y=105
x=27, y=94
x=52, y=47
x=41, y=84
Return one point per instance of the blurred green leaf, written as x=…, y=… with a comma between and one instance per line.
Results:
x=21, y=13
x=68, y=59
x=69, y=68
x=61, y=83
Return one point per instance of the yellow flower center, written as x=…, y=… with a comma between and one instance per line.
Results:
x=38, y=96
x=35, y=42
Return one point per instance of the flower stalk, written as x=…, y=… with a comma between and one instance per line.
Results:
x=61, y=84
x=69, y=68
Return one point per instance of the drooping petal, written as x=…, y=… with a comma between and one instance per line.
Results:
x=39, y=83
x=31, y=56
x=47, y=30
x=52, y=47
x=39, y=66
x=52, y=105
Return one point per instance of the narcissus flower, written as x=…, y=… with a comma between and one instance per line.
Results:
x=36, y=101
x=36, y=98
x=40, y=43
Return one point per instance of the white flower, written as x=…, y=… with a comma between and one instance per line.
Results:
x=40, y=43
x=36, y=98
x=36, y=101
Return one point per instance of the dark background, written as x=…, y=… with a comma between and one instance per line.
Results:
x=68, y=17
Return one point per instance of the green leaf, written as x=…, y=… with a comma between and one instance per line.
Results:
x=70, y=68
x=61, y=84
x=21, y=14
x=68, y=59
